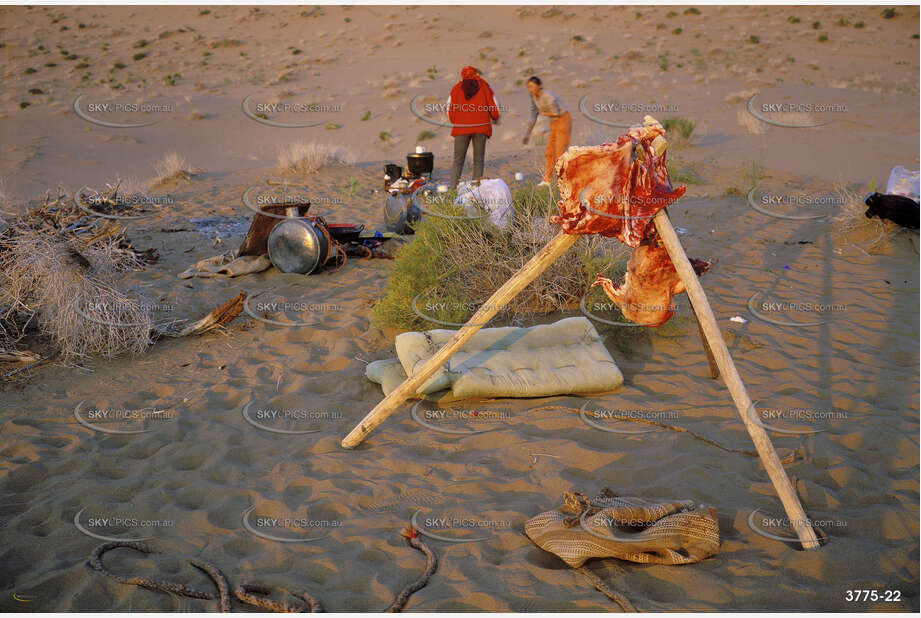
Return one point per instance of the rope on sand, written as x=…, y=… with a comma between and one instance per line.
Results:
x=257, y=595
x=696, y=436
x=152, y=584
x=254, y=594
x=612, y=594
x=219, y=580
x=430, y=566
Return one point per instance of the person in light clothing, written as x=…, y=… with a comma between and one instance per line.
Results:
x=545, y=103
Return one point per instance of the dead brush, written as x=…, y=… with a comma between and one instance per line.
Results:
x=853, y=228
x=58, y=271
x=484, y=258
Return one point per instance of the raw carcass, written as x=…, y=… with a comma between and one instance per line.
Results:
x=615, y=190
x=645, y=297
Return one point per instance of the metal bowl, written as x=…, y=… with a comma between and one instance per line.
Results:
x=297, y=246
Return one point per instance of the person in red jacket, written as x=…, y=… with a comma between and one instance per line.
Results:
x=472, y=110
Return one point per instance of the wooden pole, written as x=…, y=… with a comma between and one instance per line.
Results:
x=727, y=368
x=714, y=369
x=520, y=280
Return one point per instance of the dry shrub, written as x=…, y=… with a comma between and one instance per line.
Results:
x=64, y=283
x=173, y=166
x=310, y=157
x=752, y=125
x=852, y=226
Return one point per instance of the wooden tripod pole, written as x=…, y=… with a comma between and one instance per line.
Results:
x=519, y=281
x=707, y=323
x=525, y=275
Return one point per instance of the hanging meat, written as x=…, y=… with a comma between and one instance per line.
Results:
x=645, y=297
x=615, y=190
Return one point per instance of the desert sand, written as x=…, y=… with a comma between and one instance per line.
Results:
x=189, y=479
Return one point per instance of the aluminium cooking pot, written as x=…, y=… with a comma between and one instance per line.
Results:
x=298, y=246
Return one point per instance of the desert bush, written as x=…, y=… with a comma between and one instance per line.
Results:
x=309, y=157
x=451, y=266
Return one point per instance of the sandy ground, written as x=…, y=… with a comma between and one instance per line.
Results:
x=189, y=480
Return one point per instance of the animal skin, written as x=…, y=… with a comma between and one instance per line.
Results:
x=615, y=190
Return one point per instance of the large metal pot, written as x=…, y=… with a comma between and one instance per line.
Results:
x=420, y=163
x=298, y=246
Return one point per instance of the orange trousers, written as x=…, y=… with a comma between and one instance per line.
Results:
x=557, y=142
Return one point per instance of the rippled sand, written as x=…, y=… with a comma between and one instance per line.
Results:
x=197, y=472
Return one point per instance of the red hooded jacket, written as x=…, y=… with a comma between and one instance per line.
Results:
x=474, y=115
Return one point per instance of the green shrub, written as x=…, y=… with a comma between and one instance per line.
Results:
x=678, y=125
x=451, y=266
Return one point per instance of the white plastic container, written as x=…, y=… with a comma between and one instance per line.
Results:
x=903, y=182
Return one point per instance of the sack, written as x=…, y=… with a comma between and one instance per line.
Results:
x=628, y=528
x=491, y=197
x=227, y=266
x=401, y=213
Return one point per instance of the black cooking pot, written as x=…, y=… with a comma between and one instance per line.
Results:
x=394, y=171
x=420, y=163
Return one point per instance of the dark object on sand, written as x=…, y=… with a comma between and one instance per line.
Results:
x=255, y=242
x=253, y=594
x=95, y=562
x=345, y=232
x=303, y=246
x=431, y=564
x=897, y=208
x=420, y=163
x=393, y=172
